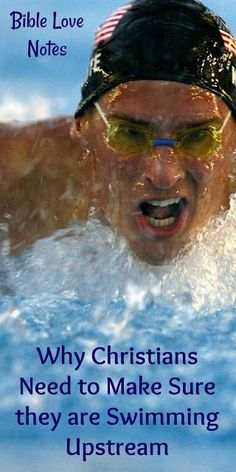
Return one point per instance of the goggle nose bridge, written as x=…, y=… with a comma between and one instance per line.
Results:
x=164, y=142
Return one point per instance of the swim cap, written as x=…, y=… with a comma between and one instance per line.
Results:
x=171, y=40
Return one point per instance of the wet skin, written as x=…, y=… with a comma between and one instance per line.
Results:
x=44, y=180
x=122, y=183
x=51, y=176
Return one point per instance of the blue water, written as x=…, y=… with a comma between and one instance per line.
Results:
x=82, y=288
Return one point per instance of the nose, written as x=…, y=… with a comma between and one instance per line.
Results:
x=163, y=167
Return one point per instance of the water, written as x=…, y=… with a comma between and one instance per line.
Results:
x=82, y=288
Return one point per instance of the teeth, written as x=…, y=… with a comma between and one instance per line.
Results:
x=163, y=203
x=160, y=222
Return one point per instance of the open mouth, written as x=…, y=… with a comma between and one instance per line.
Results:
x=163, y=215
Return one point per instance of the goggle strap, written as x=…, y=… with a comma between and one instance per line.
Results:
x=102, y=115
x=164, y=142
x=226, y=121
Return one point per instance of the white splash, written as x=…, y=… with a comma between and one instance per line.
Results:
x=71, y=263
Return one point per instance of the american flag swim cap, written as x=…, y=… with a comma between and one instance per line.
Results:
x=171, y=40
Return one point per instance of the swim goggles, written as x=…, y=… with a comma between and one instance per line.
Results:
x=130, y=138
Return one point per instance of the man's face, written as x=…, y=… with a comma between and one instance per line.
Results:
x=159, y=196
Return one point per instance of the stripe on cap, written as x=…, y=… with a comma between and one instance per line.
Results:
x=229, y=42
x=104, y=32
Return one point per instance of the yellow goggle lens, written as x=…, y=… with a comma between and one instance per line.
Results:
x=128, y=138
x=133, y=139
x=200, y=143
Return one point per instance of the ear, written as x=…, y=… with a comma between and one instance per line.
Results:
x=79, y=131
x=79, y=125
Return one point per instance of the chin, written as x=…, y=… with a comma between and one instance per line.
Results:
x=158, y=256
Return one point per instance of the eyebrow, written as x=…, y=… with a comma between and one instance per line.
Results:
x=195, y=122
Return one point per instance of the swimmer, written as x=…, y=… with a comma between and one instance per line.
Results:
x=151, y=148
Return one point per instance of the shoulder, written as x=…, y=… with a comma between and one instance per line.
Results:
x=25, y=145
